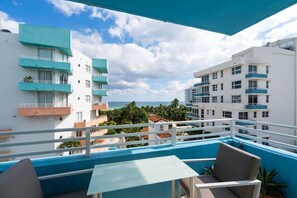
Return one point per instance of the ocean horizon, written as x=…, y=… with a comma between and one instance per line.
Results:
x=117, y=105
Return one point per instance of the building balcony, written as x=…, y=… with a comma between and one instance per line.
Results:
x=44, y=86
x=38, y=63
x=256, y=106
x=197, y=84
x=100, y=65
x=82, y=164
x=4, y=137
x=100, y=106
x=100, y=79
x=256, y=91
x=99, y=92
x=202, y=94
x=42, y=109
x=93, y=122
x=204, y=83
x=256, y=75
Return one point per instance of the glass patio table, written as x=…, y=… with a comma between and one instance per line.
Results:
x=128, y=174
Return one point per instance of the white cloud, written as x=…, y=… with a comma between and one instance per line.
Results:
x=68, y=8
x=6, y=22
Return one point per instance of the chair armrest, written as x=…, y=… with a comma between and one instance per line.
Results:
x=198, y=160
x=229, y=184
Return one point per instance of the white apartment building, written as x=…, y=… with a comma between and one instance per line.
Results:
x=45, y=84
x=259, y=83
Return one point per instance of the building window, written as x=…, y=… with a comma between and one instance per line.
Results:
x=267, y=99
x=214, y=99
x=253, y=84
x=79, y=116
x=253, y=69
x=236, y=70
x=78, y=81
x=214, y=87
x=267, y=84
x=45, y=54
x=78, y=65
x=265, y=114
x=205, y=90
x=88, y=98
x=267, y=69
x=222, y=99
x=205, y=79
x=255, y=114
x=243, y=115
x=205, y=99
x=222, y=74
x=253, y=100
x=236, y=99
x=88, y=83
x=88, y=69
x=207, y=112
x=213, y=112
x=222, y=86
x=236, y=84
x=227, y=114
x=265, y=127
x=215, y=75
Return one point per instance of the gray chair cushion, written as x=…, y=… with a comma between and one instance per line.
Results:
x=78, y=194
x=20, y=181
x=233, y=164
x=205, y=192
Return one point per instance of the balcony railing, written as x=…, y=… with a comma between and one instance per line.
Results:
x=100, y=79
x=45, y=63
x=256, y=106
x=45, y=85
x=256, y=75
x=100, y=106
x=255, y=91
x=43, y=109
x=99, y=92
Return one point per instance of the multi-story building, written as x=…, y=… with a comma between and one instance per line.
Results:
x=259, y=83
x=45, y=84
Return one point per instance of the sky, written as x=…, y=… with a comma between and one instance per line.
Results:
x=149, y=60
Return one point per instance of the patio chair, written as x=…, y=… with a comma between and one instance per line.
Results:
x=21, y=181
x=234, y=175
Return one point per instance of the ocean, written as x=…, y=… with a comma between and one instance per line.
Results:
x=117, y=105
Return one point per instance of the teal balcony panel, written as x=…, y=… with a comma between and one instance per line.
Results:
x=197, y=84
x=256, y=91
x=45, y=64
x=256, y=106
x=101, y=92
x=100, y=65
x=58, y=38
x=243, y=123
x=31, y=86
x=256, y=75
x=100, y=79
x=202, y=94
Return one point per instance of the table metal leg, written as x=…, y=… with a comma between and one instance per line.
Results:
x=192, y=189
x=173, y=188
x=97, y=195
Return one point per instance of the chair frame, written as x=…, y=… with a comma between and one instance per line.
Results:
x=255, y=182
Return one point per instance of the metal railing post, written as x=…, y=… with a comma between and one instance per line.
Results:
x=173, y=138
x=232, y=129
x=88, y=143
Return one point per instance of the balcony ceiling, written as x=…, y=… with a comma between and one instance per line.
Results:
x=227, y=17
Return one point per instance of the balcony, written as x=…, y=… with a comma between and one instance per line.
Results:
x=42, y=85
x=256, y=76
x=37, y=63
x=256, y=91
x=100, y=79
x=256, y=106
x=92, y=122
x=197, y=84
x=43, y=109
x=100, y=65
x=271, y=158
x=100, y=106
x=5, y=137
x=99, y=92
x=202, y=94
x=204, y=83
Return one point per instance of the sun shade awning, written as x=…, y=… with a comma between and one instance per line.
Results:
x=223, y=16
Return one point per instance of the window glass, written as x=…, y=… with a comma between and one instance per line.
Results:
x=236, y=99
x=236, y=70
x=236, y=84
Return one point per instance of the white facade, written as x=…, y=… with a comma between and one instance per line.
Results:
x=258, y=83
x=23, y=108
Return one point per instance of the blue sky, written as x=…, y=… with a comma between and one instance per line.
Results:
x=148, y=60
